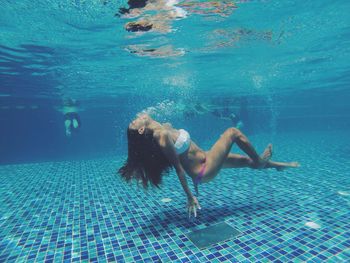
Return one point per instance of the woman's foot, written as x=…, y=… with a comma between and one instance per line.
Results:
x=265, y=157
x=282, y=166
x=267, y=154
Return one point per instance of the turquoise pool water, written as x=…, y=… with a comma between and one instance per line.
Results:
x=279, y=67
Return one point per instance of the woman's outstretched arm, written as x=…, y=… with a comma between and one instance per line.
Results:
x=168, y=148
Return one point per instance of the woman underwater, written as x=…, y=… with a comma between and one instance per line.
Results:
x=155, y=148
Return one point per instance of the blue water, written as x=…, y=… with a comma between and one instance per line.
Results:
x=282, y=66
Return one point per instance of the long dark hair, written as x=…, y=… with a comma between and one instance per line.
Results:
x=146, y=162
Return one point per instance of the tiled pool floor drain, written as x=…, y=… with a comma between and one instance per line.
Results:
x=211, y=235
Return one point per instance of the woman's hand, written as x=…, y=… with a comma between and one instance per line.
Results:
x=192, y=205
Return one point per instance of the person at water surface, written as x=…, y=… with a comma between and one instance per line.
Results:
x=72, y=122
x=154, y=148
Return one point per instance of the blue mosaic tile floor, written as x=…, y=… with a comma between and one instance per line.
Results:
x=81, y=211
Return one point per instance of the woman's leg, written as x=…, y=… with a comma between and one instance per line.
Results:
x=218, y=154
x=67, y=125
x=279, y=166
x=238, y=161
x=241, y=161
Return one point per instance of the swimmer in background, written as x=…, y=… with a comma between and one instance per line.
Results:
x=155, y=148
x=234, y=118
x=72, y=120
x=224, y=114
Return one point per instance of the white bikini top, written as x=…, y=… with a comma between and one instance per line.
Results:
x=182, y=142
